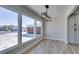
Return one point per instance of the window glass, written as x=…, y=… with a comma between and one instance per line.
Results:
x=38, y=28
x=8, y=28
x=27, y=28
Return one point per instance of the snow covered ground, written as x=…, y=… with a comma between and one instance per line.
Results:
x=10, y=39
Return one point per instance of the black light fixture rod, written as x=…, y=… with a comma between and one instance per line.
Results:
x=46, y=15
x=47, y=6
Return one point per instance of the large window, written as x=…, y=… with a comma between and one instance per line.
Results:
x=27, y=28
x=11, y=31
x=8, y=28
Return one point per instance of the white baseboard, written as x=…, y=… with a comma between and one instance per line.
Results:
x=51, y=38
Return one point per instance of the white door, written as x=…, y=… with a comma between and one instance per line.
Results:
x=71, y=29
x=73, y=32
x=76, y=31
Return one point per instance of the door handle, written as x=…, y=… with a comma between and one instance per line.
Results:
x=75, y=29
x=75, y=25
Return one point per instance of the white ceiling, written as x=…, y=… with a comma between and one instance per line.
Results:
x=54, y=10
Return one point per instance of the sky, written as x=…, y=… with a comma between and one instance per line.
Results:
x=8, y=17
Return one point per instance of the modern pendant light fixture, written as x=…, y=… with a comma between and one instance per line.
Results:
x=45, y=15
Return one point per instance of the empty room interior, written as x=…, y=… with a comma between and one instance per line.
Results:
x=39, y=29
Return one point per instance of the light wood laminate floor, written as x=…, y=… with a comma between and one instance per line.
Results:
x=53, y=47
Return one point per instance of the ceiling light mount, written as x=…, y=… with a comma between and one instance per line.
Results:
x=45, y=14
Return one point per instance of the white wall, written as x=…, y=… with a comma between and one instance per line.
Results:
x=56, y=29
